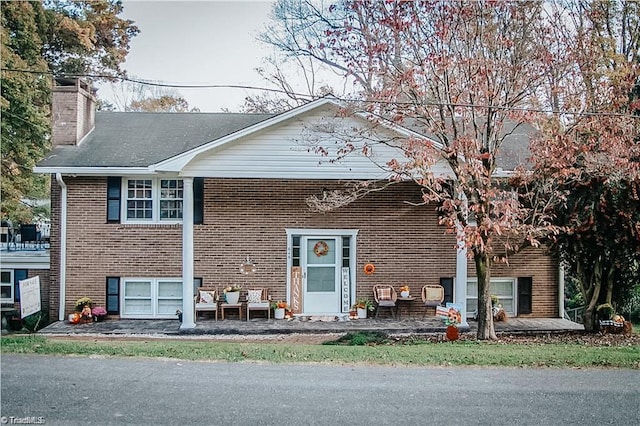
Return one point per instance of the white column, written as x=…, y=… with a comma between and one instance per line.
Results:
x=460, y=292
x=187, y=255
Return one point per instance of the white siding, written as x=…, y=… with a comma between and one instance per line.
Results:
x=287, y=151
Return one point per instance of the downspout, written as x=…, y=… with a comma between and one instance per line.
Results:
x=63, y=246
x=560, y=290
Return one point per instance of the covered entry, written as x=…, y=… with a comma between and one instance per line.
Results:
x=321, y=270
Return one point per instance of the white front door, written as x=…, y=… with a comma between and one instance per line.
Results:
x=321, y=260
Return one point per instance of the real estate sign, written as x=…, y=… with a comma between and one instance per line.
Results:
x=29, y=296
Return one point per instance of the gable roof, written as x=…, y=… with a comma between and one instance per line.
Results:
x=138, y=143
x=143, y=143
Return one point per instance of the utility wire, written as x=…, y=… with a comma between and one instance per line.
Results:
x=310, y=97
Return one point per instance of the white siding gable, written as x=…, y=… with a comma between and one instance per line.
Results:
x=289, y=150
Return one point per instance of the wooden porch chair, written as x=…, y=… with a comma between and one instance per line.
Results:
x=432, y=296
x=206, y=301
x=259, y=300
x=385, y=297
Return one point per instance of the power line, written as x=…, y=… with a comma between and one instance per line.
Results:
x=310, y=97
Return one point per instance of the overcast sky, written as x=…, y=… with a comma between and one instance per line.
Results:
x=197, y=42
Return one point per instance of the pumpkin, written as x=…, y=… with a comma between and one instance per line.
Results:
x=75, y=318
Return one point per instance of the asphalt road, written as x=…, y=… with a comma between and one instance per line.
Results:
x=114, y=391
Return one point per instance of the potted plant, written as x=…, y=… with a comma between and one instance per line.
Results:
x=278, y=309
x=362, y=306
x=82, y=303
x=99, y=313
x=232, y=294
x=404, y=291
x=83, y=307
x=605, y=311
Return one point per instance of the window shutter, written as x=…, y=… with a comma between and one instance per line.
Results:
x=113, y=199
x=198, y=201
x=447, y=283
x=113, y=295
x=18, y=275
x=525, y=286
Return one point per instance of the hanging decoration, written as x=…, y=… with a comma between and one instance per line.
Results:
x=321, y=248
x=369, y=268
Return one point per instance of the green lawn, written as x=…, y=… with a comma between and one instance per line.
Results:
x=460, y=353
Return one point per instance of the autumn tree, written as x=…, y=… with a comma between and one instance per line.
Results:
x=133, y=94
x=41, y=39
x=461, y=72
x=592, y=156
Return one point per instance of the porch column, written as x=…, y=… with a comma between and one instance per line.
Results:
x=460, y=292
x=187, y=255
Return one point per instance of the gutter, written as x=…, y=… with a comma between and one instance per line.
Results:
x=63, y=246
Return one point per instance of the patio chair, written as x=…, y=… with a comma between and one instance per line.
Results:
x=432, y=296
x=29, y=234
x=206, y=301
x=385, y=297
x=258, y=300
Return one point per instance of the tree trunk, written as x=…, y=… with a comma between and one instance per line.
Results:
x=590, y=283
x=486, y=330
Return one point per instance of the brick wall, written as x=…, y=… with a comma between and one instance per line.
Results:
x=247, y=217
x=544, y=272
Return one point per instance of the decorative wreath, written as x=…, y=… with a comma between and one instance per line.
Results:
x=321, y=248
x=369, y=268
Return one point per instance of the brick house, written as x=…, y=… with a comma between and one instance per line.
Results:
x=144, y=202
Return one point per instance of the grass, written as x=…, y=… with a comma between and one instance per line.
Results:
x=460, y=353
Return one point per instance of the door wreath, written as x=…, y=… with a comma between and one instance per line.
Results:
x=321, y=248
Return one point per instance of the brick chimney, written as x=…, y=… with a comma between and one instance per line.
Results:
x=73, y=111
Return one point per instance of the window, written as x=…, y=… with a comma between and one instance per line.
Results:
x=151, y=297
x=502, y=287
x=153, y=200
x=113, y=295
x=139, y=199
x=171, y=192
x=6, y=286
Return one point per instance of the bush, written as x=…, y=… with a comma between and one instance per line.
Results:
x=361, y=338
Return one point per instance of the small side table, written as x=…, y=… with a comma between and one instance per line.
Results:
x=237, y=306
x=406, y=303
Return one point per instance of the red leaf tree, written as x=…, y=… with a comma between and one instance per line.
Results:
x=470, y=75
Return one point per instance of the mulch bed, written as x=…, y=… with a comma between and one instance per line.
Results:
x=579, y=338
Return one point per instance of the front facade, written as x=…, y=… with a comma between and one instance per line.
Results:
x=138, y=228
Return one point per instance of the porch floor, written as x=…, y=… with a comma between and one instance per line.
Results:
x=305, y=325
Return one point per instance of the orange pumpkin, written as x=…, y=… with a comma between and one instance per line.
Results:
x=452, y=333
x=75, y=318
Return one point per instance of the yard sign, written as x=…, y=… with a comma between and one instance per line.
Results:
x=29, y=296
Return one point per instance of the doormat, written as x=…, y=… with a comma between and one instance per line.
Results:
x=323, y=318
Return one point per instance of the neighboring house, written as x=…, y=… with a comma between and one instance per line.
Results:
x=144, y=202
x=19, y=261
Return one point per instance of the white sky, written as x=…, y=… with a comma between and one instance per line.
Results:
x=197, y=42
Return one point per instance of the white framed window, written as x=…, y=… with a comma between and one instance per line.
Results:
x=504, y=288
x=152, y=200
x=6, y=286
x=150, y=297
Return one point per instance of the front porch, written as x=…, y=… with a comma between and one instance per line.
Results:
x=301, y=325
